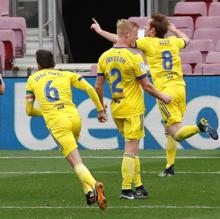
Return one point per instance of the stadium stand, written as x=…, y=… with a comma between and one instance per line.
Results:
x=193, y=9
x=211, y=65
x=208, y=22
x=213, y=57
x=4, y=7
x=207, y=69
x=193, y=58
x=2, y=56
x=214, y=9
x=182, y=22
x=204, y=46
x=187, y=69
x=217, y=48
x=8, y=39
x=207, y=33
x=18, y=25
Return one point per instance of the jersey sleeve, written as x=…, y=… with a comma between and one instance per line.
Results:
x=100, y=71
x=142, y=44
x=140, y=68
x=30, y=97
x=179, y=42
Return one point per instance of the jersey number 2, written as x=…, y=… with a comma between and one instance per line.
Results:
x=49, y=90
x=116, y=89
x=167, y=60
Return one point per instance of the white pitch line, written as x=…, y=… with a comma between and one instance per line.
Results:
x=102, y=172
x=107, y=157
x=113, y=207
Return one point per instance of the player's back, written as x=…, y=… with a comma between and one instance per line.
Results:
x=52, y=90
x=163, y=57
x=121, y=67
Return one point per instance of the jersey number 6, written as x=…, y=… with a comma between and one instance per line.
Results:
x=48, y=92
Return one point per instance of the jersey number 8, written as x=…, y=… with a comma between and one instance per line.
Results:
x=167, y=60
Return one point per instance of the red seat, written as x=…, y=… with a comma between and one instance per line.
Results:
x=193, y=9
x=214, y=9
x=207, y=33
x=207, y=69
x=8, y=38
x=208, y=21
x=2, y=56
x=18, y=25
x=4, y=7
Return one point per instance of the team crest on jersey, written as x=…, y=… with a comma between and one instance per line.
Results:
x=142, y=67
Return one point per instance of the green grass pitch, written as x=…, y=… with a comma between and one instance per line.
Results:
x=41, y=184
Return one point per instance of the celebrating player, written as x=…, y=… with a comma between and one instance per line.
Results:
x=52, y=90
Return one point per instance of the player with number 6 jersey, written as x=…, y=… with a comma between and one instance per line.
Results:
x=52, y=90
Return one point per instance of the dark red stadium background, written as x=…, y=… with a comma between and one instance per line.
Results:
x=87, y=46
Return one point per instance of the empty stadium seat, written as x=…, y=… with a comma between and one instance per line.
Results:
x=214, y=9
x=204, y=46
x=18, y=25
x=191, y=57
x=8, y=38
x=187, y=69
x=4, y=7
x=217, y=47
x=208, y=22
x=207, y=69
x=213, y=57
x=207, y=33
x=2, y=56
x=182, y=22
x=193, y=9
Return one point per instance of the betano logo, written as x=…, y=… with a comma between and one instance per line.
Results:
x=152, y=123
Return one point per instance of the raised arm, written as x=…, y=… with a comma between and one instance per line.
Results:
x=107, y=35
x=179, y=33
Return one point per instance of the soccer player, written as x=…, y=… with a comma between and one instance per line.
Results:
x=52, y=90
x=125, y=71
x=163, y=58
x=2, y=85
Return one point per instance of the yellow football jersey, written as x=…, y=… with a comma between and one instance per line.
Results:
x=123, y=67
x=163, y=58
x=52, y=90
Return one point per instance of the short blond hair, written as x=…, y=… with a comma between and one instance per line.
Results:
x=124, y=26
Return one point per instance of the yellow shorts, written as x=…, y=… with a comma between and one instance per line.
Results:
x=173, y=112
x=65, y=132
x=131, y=128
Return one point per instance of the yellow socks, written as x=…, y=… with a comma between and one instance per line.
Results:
x=137, y=176
x=85, y=176
x=171, y=145
x=127, y=170
x=186, y=132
